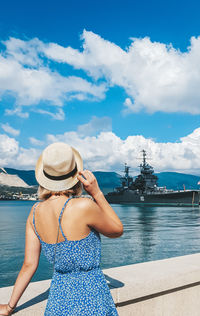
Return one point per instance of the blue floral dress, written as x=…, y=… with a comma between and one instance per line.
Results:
x=78, y=285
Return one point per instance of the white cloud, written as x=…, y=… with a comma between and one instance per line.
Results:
x=17, y=111
x=31, y=86
x=9, y=148
x=27, y=158
x=26, y=75
x=108, y=152
x=12, y=155
x=129, y=106
x=155, y=76
x=10, y=130
x=25, y=52
x=59, y=115
x=95, y=126
x=35, y=142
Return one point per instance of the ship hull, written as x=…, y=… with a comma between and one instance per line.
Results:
x=191, y=197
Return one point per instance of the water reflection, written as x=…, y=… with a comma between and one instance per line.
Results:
x=147, y=220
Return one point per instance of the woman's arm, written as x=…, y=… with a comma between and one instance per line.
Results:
x=31, y=260
x=100, y=215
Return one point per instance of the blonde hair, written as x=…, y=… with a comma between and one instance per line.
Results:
x=44, y=194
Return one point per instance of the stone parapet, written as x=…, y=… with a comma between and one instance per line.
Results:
x=169, y=287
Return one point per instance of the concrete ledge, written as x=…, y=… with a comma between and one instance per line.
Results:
x=168, y=287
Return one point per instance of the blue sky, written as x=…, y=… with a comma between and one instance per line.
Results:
x=108, y=77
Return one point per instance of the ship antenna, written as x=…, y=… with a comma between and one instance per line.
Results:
x=126, y=170
x=144, y=157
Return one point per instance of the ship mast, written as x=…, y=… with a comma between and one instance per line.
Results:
x=126, y=170
x=144, y=166
x=144, y=157
x=126, y=180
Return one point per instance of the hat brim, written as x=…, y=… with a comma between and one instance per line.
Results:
x=60, y=185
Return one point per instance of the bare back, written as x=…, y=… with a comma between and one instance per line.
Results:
x=73, y=221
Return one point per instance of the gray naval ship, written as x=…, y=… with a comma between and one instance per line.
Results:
x=144, y=190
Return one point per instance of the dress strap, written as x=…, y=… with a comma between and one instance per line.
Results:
x=61, y=214
x=34, y=219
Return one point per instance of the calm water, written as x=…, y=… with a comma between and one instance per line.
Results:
x=150, y=233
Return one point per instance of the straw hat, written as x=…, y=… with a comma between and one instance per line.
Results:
x=58, y=166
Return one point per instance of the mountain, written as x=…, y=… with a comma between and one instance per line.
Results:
x=177, y=181
x=27, y=175
x=109, y=180
x=11, y=180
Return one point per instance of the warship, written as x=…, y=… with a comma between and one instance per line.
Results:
x=145, y=190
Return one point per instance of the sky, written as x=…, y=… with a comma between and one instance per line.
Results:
x=110, y=78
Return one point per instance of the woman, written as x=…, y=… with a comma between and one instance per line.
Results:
x=67, y=229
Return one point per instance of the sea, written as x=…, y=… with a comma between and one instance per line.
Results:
x=150, y=233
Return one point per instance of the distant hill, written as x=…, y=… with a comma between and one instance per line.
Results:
x=109, y=180
x=27, y=175
x=11, y=180
x=175, y=180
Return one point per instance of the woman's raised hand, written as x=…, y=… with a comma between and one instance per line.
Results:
x=89, y=182
x=5, y=309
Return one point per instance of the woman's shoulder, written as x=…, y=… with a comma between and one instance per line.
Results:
x=83, y=200
x=80, y=208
